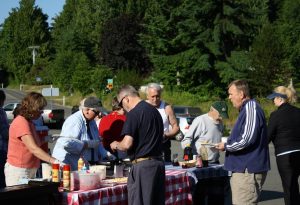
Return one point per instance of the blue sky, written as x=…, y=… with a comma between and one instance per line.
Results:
x=49, y=7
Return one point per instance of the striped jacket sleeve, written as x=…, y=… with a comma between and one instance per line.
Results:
x=247, y=134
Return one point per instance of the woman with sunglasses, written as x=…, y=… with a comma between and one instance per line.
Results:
x=284, y=132
x=24, y=147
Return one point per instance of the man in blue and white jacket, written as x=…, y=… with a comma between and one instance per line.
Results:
x=247, y=152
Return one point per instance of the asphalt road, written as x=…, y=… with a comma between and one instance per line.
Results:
x=13, y=96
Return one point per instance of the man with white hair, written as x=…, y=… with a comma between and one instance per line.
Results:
x=80, y=137
x=171, y=127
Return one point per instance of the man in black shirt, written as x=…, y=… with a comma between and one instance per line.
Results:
x=143, y=136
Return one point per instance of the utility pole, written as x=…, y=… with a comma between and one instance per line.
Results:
x=34, y=52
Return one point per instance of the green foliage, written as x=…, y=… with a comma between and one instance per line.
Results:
x=82, y=75
x=205, y=41
x=269, y=61
x=192, y=46
x=26, y=26
x=127, y=77
x=100, y=76
x=119, y=46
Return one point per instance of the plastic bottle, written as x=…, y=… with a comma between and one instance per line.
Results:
x=199, y=163
x=80, y=163
x=204, y=156
x=66, y=177
x=187, y=153
x=55, y=173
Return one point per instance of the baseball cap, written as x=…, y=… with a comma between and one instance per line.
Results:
x=222, y=108
x=274, y=95
x=93, y=103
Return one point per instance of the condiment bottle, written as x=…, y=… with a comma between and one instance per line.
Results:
x=204, y=156
x=199, y=163
x=187, y=153
x=55, y=173
x=66, y=177
x=175, y=160
x=80, y=163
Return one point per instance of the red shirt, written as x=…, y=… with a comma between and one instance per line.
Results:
x=110, y=128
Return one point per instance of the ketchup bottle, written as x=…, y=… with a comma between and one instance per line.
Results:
x=66, y=177
x=55, y=173
x=187, y=153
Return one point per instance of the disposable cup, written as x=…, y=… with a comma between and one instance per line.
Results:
x=46, y=170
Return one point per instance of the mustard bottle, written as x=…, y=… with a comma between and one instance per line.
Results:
x=80, y=164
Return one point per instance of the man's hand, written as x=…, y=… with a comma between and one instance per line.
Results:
x=110, y=156
x=114, y=146
x=61, y=164
x=220, y=146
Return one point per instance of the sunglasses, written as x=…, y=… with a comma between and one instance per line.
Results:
x=121, y=101
x=96, y=112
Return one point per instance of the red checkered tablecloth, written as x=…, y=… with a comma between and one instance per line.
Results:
x=116, y=195
x=177, y=192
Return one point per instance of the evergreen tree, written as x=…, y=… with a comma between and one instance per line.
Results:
x=120, y=48
x=206, y=42
x=26, y=26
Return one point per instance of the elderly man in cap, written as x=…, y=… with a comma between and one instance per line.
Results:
x=207, y=128
x=79, y=136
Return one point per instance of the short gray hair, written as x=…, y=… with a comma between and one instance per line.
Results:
x=241, y=85
x=128, y=90
x=155, y=86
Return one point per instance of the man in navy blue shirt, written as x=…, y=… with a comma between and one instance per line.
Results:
x=143, y=137
x=247, y=152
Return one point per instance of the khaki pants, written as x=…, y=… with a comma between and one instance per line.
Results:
x=246, y=187
x=13, y=174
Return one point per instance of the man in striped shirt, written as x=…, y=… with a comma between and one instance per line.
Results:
x=247, y=153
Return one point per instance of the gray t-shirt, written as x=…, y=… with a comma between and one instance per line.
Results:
x=204, y=129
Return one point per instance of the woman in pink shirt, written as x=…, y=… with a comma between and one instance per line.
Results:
x=24, y=152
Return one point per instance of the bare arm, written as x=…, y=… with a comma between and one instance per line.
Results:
x=124, y=145
x=173, y=122
x=35, y=149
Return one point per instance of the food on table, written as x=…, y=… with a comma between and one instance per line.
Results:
x=113, y=181
x=188, y=164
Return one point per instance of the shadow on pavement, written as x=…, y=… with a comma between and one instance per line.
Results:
x=269, y=195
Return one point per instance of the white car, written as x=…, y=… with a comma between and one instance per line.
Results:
x=49, y=117
x=9, y=108
x=184, y=123
x=182, y=110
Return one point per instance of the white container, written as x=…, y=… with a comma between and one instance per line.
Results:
x=46, y=171
x=74, y=181
x=100, y=169
x=118, y=171
x=89, y=181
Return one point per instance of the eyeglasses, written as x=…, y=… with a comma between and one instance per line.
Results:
x=96, y=112
x=121, y=101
